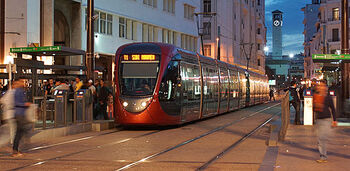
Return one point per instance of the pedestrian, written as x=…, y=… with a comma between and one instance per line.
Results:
x=325, y=118
x=272, y=94
x=92, y=88
x=61, y=85
x=20, y=108
x=295, y=101
x=102, y=98
x=78, y=84
x=49, y=87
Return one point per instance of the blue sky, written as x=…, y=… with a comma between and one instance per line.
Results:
x=293, y=27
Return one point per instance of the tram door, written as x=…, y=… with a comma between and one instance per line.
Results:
x=191, y=91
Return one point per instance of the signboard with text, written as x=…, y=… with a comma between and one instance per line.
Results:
x=35, y=49
x=325, y=58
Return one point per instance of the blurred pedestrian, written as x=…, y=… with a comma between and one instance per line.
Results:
x=325, y=118
x=272, y=94
x=295, y=101
x=20, y=108
x=8, y=126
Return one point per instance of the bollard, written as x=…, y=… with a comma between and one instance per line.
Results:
x=308, y=108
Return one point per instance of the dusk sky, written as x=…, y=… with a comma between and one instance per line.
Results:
x=292, y=30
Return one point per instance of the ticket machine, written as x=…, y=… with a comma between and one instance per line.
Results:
x=60, y=107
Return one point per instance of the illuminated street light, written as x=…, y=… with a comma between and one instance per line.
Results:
x=266, y=49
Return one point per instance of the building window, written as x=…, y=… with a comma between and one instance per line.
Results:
x=335, y=35
x=207, y=30
x=207, y=50
x=189, y=12
x=259, y=46
x=258, y=31
x=207, y=5
x=188, y=42
x=259, y=62
x=103, y=20
x=122, y=27
x=152, y=3
x=169, y=6
x=109, y=24
x=335, y=12
x=102, y=24
x=97, y=22
x=259, y=2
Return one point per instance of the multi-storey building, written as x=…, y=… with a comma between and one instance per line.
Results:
x=326, y=40
x=311, y=14
x=63, y=22
x=242, y=31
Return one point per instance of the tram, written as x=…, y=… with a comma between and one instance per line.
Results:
x=161, y=84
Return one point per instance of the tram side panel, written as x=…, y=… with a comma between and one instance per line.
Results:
x=223, y=90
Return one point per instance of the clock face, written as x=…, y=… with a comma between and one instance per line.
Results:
x=276, y=23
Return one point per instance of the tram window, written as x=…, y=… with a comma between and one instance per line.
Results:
x=138, y=79
x=191, y=81
x=169, y=90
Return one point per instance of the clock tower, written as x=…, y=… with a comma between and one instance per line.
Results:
x=277, y=22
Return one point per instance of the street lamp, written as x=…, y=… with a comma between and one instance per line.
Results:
x=266, y=49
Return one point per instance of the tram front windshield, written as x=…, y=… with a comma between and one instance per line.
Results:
x=138, y=79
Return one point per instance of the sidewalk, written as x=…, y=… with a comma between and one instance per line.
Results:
x=299, y=150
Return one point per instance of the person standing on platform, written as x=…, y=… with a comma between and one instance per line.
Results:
x=102, y=98
x=20, y=108
x=78, y=84
x=295, y=101
x=325, y=118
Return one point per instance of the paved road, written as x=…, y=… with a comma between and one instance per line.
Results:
x=182, y=148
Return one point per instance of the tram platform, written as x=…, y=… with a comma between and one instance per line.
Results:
x=299, y=149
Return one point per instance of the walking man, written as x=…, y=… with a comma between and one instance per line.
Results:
x=325, y=118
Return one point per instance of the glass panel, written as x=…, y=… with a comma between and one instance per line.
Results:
x=138, y=78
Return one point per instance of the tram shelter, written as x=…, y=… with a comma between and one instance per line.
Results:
x=332, y=72
x=28, y=68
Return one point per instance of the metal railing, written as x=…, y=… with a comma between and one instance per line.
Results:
x=285, y=117
x=66, y=111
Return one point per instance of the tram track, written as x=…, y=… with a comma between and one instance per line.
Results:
x=235, y=144
x=37, y=163
x=192, y=140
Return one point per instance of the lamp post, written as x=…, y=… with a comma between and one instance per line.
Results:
x=90, y=40
x=201, y=29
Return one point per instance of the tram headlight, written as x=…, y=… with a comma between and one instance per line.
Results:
x=125, y=104
x=143, y=104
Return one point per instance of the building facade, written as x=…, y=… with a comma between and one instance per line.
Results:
x=311, y=17
x=239, y=28
x=63, y=22
x=326, y=40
